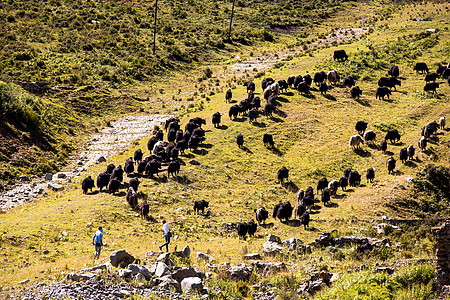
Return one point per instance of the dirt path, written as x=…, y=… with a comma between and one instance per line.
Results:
x=108, y=142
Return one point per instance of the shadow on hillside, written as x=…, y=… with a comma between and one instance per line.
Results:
x=315, y=207
x=389, y=153
x=259, y=124
x=290, y=186
x=363, y=153
x=119, y=194
x=410, y=164
x=372, y=146
x=200, y=151
x=388, y=100
x=342, y=196
x=277, y=120
x=363, y=102
x=349, y=190
x=93, y=192
x=309, y=96
x=397, y=173
x=289, y=93
x=331, y=204
x=268, y=225
x=280, y=113
x=293, y=223
x=401, y=92
x=282, y=99
x=222, y=127
x=207, y=145
x=329, y=97
x=233, y=101
x=275, y=150
x=246, y=150
x=132, y=175
x=239, y=119
x=182, y=179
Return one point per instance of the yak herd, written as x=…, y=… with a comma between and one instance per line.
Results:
x=166, y=153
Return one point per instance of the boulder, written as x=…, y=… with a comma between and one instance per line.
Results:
x=80, y=277
x=252, y=256
x=324, y=240
x=194, y=162
x=101, y=159
x=61, y=175
x=165, y=258
x=167, y=282
x=183, y=273
x=205, y=257
x=120, y=258
x=186, y=251
x=55, y=186
x=140, y=269
x=124, y=273
x=101, y=267
x=239, y=272
x=268, y=268
x=273, y=238
x=162, y=269
x=191, y=283
x=272, y=249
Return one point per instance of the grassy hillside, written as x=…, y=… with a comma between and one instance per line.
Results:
x=311, y=137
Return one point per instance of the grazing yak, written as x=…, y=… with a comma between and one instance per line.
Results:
x=403, y=155
x=132, y=198
x=355, y=92
x=173, y=168
x=87, y=184
x=343, y=182
x=233, y=112
x=307, y=78
x=323, y=88
x=172, y=136
x=138, y=156
x=421, y=67
x=282, y=174
x=303, y=88
x=256, y=102
x=297, y=80
x=151, y=143
x=284, y=211
x=394, y=71
x=169, y=121
x=320, y=77
x=340, y=55
x=354, y=178
x=290, y=81
x=304, y=219
x=355, y=141
x=390, y=82
x=431, y=86
x=423, y=143
x=200, y=205
x=269, y=109
x=103, y=180
x=369, y=136
x=129, y=166
x=440, y=70
x=431, y=77
x=393, y=136
x=268, y=140
x=266, y=82
x=117, y=173
x=141, y=167
x=361, y=126
x=261, y=215
x=333, y=77
x=194, y=141
x=283, y=85
x=347, y=172
x=242, y=229
x=370, y=175
x=216, y=119
x=240, y=140
x=144, y=210
x=250, y=86
x=252, y=115
x=390, y=164
x=251, y=228
x=299, y=210
x=300, y=195
x=228, y=95
x=383, y=146
x=325, y=196
x=411, y=151
x=308, y=199
x=113, y=185
x=442, y=122
x=382, y=92
x=333, y=186
x=321, y=184
x=110, y=168
x=348, y=81
x=152, y=167
x=134, y=183
x=159, y=135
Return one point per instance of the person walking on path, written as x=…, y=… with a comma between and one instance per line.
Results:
x=97, y=240
x=167, y=234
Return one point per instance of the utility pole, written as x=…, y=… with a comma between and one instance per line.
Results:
x=231, y=21
x=154, y=29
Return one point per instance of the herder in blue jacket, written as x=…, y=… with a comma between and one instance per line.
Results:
x=97, y=240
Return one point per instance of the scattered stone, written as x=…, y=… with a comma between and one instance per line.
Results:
x=211, y=267
x=24, y=178
x=292, y=241
x=191, y=283
x=167, y=282
x=273, y=238
x=61, y=175
x=102, y=267
x=388, y=270
x=139, y=269
x=187, y=251
x=120, y=258
x=55, y=186
x=194, y=162
x=162, y=269
x=252, y=256
x=80, y=277
x=205, y=257
x=268, y=268
x=183, y=273
x=239, y=272
x=165, y=258
x=24, y=281
x=272, y=249
x=124, y=273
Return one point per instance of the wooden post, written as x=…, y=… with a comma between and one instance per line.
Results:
x=231, y=21
x=154, y=29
